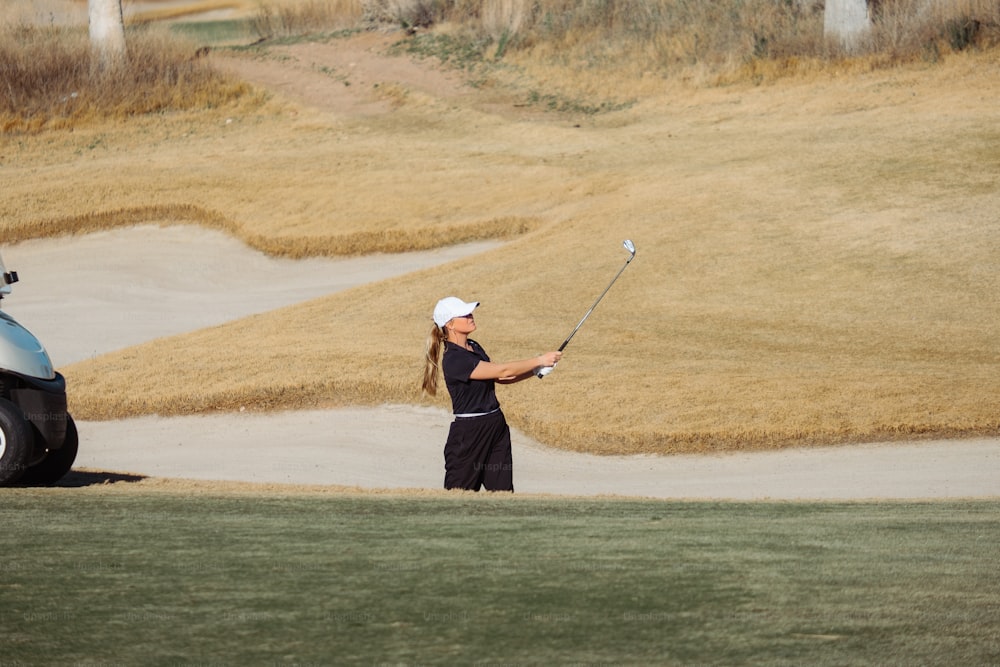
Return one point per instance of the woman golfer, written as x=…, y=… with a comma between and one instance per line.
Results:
x=477, y=452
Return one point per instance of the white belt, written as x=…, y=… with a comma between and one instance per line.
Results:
x=476, y=414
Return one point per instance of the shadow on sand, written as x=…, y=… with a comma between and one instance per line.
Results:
x=81, y=478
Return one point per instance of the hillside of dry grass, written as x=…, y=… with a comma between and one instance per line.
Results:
x=816, y=257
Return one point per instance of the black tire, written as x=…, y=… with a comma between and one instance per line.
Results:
x=16, y=443
x=57, y=462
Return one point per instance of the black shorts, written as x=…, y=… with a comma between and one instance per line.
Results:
x=477, y=453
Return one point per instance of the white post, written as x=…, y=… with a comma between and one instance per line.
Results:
x=107, y=30
x=846, y=21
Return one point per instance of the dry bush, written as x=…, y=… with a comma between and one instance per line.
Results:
x=678, y=37
x=905, y=29
x=501, y=18
x=53, y=78
x=673, y=30
x=406, y=13
x=693, y=40
x=284, y=19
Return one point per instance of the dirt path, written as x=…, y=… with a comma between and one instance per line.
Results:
x=350, y=76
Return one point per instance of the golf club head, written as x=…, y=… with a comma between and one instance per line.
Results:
x=629, y=246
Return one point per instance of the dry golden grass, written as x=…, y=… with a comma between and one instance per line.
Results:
x=816, y=257
x=685, y=38
x=51, y=79
x=297, y=17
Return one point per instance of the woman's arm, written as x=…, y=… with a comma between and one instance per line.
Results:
x=516, y=378
x=513, y=371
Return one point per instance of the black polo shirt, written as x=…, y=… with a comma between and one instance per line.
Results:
x=468, y=396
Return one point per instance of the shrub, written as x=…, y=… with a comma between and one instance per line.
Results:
x=663, y=35
x=302, y=18
x=52, y=77
x=906, y=29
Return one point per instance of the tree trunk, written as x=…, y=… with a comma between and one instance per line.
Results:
x=107, y=30
x=846, y=21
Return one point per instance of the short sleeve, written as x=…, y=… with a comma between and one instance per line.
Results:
x=459, y=367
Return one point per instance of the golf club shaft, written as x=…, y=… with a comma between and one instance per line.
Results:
x=580, y=324
x=542, y=372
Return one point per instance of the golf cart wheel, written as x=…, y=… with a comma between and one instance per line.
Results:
x=16, y=443
x=57, y=462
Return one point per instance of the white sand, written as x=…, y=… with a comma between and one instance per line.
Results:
x=84, y=296
x=124, y=287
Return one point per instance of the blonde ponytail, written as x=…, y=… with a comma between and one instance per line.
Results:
x=435, y=342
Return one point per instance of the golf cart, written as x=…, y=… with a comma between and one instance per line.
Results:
x=38, y=439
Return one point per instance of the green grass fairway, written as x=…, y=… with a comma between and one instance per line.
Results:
x=215, y=32
x=159, y=578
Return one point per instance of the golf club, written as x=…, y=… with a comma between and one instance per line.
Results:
x=545, y=370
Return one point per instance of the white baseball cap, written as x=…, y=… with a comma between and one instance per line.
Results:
x=451, y=307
